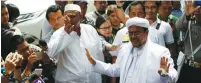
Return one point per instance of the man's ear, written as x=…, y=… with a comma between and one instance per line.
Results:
x=81, y=15
x=147, y=31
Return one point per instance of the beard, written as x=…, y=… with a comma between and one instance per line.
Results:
x=140, y=42
x=101, y=12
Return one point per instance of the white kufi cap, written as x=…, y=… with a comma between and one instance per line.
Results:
x=72, y=7
x=141, y=22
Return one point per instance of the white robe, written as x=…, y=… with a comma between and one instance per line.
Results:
x=73, y=65
x=145, y=68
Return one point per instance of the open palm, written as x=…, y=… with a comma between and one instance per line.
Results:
x=164, y=64
x=189, y=7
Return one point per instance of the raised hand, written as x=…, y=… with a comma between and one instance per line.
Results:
x=90, y=58
x=12, y=60
x=164, y=65
x=19, y=59
x=68, y=26
x=111, y=47
x=190, y=7
x=32, y=58
x=120, y=12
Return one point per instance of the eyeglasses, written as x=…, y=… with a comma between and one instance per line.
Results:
x=134, y=33
x=106, y=28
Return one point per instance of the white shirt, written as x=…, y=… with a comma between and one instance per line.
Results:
x=122, y=37
x=47, y=31
x=93, y=16
x=136, y=65
x=73, y=65
x=166, y=31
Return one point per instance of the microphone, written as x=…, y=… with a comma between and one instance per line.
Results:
x=45, y=57
x=34, y=78
x=43, y=45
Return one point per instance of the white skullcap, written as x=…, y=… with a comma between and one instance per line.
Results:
x=80, y=1
x=72, y=7
x=141, y=22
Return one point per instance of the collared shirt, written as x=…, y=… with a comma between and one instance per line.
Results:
x=47, y=31
x=139, y=65
x=122, y=37
x=69, y=49
x=165, y=29
x=92, y=16
x=170, y=18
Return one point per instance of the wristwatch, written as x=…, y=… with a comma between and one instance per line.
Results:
x=163, y=72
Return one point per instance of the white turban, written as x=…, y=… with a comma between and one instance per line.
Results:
x=72, y=7
x=141, y=22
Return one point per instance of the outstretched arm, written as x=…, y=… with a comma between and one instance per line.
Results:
x=112, y=70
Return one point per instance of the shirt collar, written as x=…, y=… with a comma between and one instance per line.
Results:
x=160, y=18
x=170, y=17
x=156, y=22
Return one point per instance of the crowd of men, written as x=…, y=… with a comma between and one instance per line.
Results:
x=119, y=42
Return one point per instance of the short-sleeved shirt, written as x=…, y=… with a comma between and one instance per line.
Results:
x=165, y=29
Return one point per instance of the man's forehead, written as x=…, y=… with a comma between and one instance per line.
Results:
x=166, y=2
x=138, y=7
x=150, y=3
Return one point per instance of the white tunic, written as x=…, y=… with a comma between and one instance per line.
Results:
x=136, y=65
x=73, y=65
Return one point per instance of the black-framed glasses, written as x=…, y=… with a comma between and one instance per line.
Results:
x=106, y=28
x=137, y=33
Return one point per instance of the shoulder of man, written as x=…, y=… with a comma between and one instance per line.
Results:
x=157, y=47
x=58, y=32
x=165, y=24
x=87, y=26
x=123, y=30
